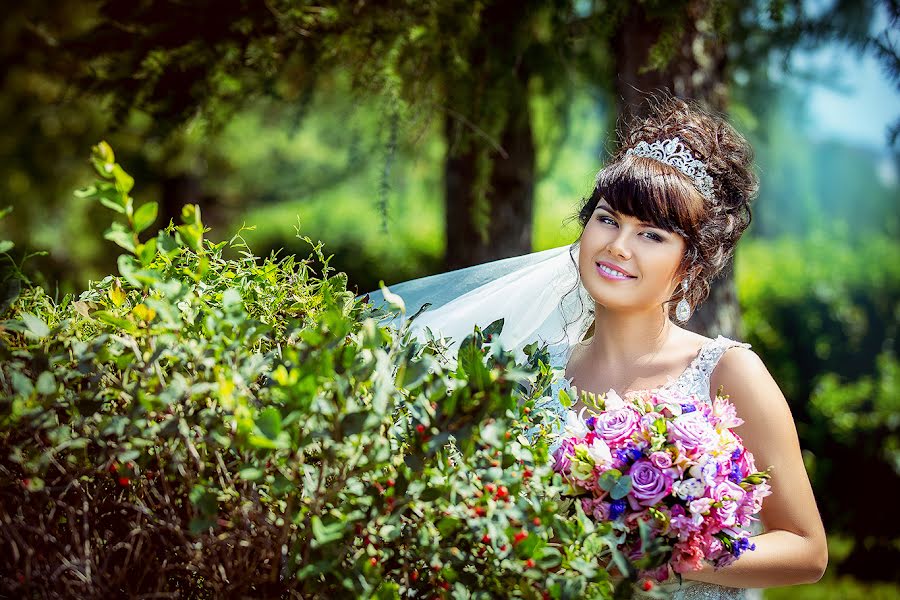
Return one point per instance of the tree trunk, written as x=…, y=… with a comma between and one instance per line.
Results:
x=696, y=71
x=510, y=195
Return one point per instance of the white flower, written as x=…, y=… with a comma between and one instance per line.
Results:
x=575, y=426
x=613, y=400
x=688, y=487
x=599, y=451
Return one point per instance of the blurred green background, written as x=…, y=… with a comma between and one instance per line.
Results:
x=344, y=121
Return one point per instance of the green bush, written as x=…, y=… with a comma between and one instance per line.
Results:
x=823, y=314
x=212, y=427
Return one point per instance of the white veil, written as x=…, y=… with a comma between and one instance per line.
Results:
x=539, y=296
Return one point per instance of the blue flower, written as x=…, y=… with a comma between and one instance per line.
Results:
x=735, y=475
x=617, y=508
x=736, y=455
x=688, y=408
x=590, y=422
x=742, y=545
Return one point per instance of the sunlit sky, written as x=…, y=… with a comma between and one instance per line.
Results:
x=862, y=102
x=862, y=106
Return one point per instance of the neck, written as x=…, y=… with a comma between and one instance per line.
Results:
x=627, y=337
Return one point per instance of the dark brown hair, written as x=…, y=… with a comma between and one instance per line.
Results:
x=657, y=193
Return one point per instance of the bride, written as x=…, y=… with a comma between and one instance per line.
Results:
x=662, y=221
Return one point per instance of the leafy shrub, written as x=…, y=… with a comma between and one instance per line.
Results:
x=213, y=427
x=822, y=312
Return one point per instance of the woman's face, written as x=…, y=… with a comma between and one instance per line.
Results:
x=626, y=264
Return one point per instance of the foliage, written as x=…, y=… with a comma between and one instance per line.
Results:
x=212, y=427
x=823, y=314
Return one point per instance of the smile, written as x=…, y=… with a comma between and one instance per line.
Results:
x=609, y=272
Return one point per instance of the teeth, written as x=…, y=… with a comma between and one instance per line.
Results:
x=612, y=272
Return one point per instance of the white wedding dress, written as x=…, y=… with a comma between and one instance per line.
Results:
x=533, y=294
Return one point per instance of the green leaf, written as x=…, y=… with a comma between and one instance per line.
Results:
x=6, y=246
x=120, y=237
x=269, y=422
x=46, y=384
x=622, y=487
x=191, y=236
x=114, y=320
x=147, y=252
x=103, y=159
x=231, y=299
x=124, y=181
x=251, y=473
x=325, y=534
x=145, y=216
x=36, y=326
x=190, y=214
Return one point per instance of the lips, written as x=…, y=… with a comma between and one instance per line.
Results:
x=613, y=271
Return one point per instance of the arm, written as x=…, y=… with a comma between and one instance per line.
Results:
x=793, y=549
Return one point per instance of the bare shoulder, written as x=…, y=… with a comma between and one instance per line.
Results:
x=744, y=378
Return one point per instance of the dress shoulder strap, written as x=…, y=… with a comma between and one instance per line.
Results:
x=696, y=378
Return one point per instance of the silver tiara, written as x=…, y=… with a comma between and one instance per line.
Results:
x=674, y=153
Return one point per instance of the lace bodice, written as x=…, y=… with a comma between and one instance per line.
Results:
x=695, y=379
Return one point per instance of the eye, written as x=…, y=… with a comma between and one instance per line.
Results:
x=650, y=235
x=607, y=220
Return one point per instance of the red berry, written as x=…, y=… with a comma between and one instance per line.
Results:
x=486, y=539
x=113, y=467
x=124, y=481
x=507, y=435
x=527, y=473
x=647, y=585
x=373, y=561
x=503, y=548
x=390, y=483
x=502, y=492
x=26, y=482
x=490, y=487
x=420, y=428
x=521, y=535
x=445, y=585
x=527, y=409
x=529, y=563
x=537, y=521
x=130, y=465
x=495, y=463
x=435, y=568
x=480, y=511
x=415, y=575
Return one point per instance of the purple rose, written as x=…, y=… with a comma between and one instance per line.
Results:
x=562, y=462
x=616, y=426
x=693, y=431
x=649, y=484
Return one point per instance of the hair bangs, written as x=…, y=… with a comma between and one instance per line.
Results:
x=652, y=191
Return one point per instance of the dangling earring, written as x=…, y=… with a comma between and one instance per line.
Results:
x=683, y=309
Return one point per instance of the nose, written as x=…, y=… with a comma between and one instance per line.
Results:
x=618, y=246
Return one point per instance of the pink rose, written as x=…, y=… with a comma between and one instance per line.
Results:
x=616, y=426
x=732, y=497
x=693, y=431
x=649, y=484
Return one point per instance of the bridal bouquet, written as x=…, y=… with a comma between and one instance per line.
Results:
x=668, y=464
